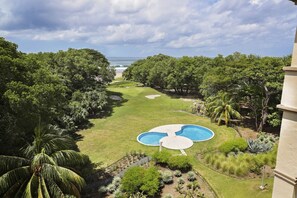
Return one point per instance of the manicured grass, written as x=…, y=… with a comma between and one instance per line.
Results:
x=112, y=137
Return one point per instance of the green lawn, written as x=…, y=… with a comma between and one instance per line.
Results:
x=112, y=137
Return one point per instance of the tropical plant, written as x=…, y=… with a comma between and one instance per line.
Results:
x=222, y=107
x=177, y=173
x=263, y=143
x=167, y=177
x=236, y=145
x=44, y=171
x=191, y=176
x=139, y=179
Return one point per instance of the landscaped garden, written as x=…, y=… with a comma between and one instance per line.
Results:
x=114, y=137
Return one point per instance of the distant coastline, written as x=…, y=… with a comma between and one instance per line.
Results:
x=121, y=63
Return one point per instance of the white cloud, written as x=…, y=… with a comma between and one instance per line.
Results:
x=166, y=24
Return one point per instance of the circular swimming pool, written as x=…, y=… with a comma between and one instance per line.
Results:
x=151, y=138
x=194, y=133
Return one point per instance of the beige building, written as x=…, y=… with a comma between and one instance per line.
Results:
x=285, y=180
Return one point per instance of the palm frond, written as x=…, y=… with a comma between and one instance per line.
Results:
x=27, y=193
x=10, y=162
x=13, y=176
x=40, y=159
x=13, y=189
x=54, y=189
x=69, y=158
x=44, y=187
x=50, y=172
x=71, y=177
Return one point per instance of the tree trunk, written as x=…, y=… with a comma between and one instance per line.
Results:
x=264, y=111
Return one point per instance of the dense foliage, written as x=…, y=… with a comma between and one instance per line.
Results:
x=173, y=162
x=235, y=145
x=139, y=179
x=252, y=82
x=241, y=164
x=63, y=89
x=46, y=170
x=44, y=99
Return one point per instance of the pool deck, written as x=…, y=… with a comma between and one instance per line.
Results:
x=176, y=142
x=170, y=129
x=172, y=141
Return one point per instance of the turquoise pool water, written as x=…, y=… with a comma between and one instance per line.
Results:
x=195, y=133
x=151, y=138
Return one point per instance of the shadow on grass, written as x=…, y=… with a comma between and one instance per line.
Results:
x=115, y=99
x=94, y=180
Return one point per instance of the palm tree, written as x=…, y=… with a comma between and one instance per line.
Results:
x=222, y=107
x=45, y=171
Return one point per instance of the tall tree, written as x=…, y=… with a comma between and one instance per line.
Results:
x=222, y=108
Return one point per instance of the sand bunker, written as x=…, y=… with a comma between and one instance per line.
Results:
x=152, y=96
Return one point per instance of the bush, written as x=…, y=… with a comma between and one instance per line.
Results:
x=231, y=169
x=235, y=145
x=168, y=196
x=111, y=188
x=177, y=173
x=238, y=171
x=167, y=177
x=180, y=162
x=207, y=158
x=138, y=179
x=191, y=176
x=102, y=190
x=116, y=181
x=225, y=167
x=162, y=157
x=118, y=193
x=180, y=181
x=218, y=165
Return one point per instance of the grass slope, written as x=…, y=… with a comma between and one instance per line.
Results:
x=112, y=137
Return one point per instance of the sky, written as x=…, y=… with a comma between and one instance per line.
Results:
x=140, y=28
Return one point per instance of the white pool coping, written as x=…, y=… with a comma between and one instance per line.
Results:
x=173, y=141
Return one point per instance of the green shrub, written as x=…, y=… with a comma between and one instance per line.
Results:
x=173, y=162
x=191, y=176
x=151, y=182
x=196, y=185
x=225, y=167
x=177, y=173
x=238, y=171
x=218, y=164
x=207, y=158
x=180, y=181
x=118, y=193
x=102, y=190
x=235, y=145
x=116, y=181
x=180, y=162
x=138, y=179
x=111, y=188
x=167, y=177
x=168, y=196
x=212, y=161
x=231, y=169
x=162, y=157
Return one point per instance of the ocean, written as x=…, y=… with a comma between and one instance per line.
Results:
x=122, y=61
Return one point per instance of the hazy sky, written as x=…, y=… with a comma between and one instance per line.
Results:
x=140, y=28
